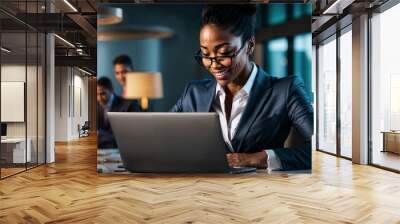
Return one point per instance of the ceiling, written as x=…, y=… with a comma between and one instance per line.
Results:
x=75, y=21
x=76, y=24
x=332, y=15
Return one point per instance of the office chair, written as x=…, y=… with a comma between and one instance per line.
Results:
x=84, y=130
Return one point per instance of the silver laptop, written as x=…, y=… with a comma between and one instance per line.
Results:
x=171, y=143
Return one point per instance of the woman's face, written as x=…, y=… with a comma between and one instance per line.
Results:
x=215, y=41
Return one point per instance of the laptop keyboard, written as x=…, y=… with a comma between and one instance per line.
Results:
x=237, y=170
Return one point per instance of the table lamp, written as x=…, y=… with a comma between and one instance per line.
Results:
x=109, y=15
x=144, y=86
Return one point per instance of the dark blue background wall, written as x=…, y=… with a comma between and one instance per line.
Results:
x=173, y=56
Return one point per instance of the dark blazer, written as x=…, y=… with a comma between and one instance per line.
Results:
x=274, y=106
x=105, y=136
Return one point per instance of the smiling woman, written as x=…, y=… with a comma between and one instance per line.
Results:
x=256, y=111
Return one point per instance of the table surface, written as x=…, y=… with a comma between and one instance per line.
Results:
x=109, y=162
x=13, y=140
x=390, y=132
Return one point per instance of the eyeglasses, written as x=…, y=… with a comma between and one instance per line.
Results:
x=225, y=60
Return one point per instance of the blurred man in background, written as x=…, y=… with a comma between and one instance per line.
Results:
x=122, y=65
x=108, y=101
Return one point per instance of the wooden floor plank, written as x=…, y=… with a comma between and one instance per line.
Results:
x=71, y=191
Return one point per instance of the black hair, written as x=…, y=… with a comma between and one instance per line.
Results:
x=123, y=59
x=240, y=20
x=105, y=83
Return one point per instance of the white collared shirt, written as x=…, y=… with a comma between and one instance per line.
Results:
x=239, y=103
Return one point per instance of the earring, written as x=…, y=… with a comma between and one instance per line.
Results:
x=250, y=49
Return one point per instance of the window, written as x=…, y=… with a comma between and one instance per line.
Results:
x=327, y=96
x=346, y=94
x=385, y=89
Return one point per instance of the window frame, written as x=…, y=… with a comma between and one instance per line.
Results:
x=333, y=37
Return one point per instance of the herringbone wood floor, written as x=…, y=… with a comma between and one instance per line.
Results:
x=70, y=191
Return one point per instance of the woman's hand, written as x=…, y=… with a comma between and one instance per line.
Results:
x=258, y=159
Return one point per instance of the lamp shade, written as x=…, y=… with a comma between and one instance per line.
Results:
x=133, y=33
x=109, y=15
x=144, y=85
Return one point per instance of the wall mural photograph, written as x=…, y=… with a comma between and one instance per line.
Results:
x=247, y=77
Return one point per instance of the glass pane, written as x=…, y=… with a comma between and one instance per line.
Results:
x=327, y=97
x=32, y=85
x=41, y=99
x=385, y=86
x=31, y=98
x=13, y=86
x=346, y=94
x=23, y=82
x=314, y=92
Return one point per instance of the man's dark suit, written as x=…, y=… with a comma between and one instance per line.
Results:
x=105, y=137
x=273, y=107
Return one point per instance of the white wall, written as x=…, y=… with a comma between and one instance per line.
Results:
x=71, y=102
x=80, y=102
x=61, y=114
x=13, y=73
x=33, y=127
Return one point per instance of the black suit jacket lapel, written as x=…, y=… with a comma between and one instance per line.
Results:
x=208, y=97
x=115, y=105
x=253, y=107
